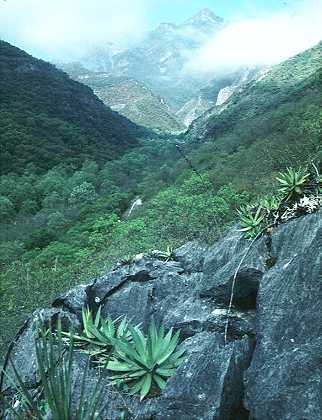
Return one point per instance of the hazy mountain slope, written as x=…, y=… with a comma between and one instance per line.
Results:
x=215, y=92
x=287, y=83
x=272, y=123
x=46, y=118
x=128, y=97
x=159, y=59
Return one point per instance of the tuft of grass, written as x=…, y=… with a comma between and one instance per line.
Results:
x=55, y=397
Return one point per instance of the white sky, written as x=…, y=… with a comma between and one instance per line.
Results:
x=62, y=29
x=262, y=41
x=65, y=29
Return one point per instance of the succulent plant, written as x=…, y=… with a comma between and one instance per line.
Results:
x=146, y=361
x=251, y=221
x=293, y=182
x=100, y=332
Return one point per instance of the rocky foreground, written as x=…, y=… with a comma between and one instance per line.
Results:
x=270, y=366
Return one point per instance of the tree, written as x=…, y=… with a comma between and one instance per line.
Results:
x=7, y=210
x=82, y=194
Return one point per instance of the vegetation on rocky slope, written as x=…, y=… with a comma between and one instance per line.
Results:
x=67, y=224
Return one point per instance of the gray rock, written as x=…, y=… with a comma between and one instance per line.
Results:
x=191, y=255
x=210, y=371
x=74, y=300
x=284, y=380
x=221, y=264
x=23, y=353
x=277, y=295
x=209, y=384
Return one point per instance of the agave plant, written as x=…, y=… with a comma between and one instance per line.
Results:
x=100, y=332
x=166, y=255
x=293, y=182
x=146, y=361
x=55, y=369
x=271, y=203
x=251, y=221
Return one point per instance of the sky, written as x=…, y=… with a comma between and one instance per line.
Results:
x=258, y=30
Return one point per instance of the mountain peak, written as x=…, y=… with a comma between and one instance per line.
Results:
x=204, y=16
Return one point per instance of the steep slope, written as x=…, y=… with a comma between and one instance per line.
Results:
x=46, y=118
x=272, y=123
x=216, y=92
x=128, y=97
x=275, y=307
x=75, y=233
x=159, y=59
x=283, y=85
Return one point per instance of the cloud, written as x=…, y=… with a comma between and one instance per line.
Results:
x=60, y=29
x=261, y=41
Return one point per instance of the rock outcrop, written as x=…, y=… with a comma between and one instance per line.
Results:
x=270, y=365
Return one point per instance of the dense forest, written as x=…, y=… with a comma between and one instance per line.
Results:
x=46, y=118
x=63, y=213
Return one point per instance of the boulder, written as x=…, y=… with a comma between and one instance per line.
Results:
x=22, y=353
x=276, y=304
x=284, y=380
x=208, y=384
x=234, y=259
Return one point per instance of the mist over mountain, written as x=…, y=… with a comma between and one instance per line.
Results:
x=159, y=59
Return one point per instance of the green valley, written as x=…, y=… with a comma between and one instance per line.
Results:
x=62, y=214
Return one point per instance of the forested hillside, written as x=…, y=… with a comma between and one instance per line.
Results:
x=64, y=225
x=129, y=97
x=47, y=119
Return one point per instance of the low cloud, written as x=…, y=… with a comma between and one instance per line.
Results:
x=261, y=41
x=60, y=29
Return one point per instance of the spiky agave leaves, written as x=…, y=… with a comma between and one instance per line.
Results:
x=292, y=182
x=55, y=367
x=251, y=221
x=166, y=255
x=146, y=361
x=99, y=331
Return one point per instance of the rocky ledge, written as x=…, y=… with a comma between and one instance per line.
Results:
x=270, y=364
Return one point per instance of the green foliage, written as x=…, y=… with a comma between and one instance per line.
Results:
x=146, y=361
x=289, y=202
x=292, y=182
x=45, y=129
x=100, y=332
x=55, y=368
x=7, y=210
x=251, y=221
x=82, y=194
x=48, y=245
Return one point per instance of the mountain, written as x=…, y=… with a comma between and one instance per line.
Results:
x=284, y=87
x=128, y=97
x=158, y=60
x=271, y=123
x=61, y=227
x=216, y=92
x=46, y=118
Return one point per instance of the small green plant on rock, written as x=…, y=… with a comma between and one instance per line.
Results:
x=292, y=183
x=251, y=221
x=167, y=255
x=146, y=361
x=54, y=399
x=299, y=192
x=100, y=333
